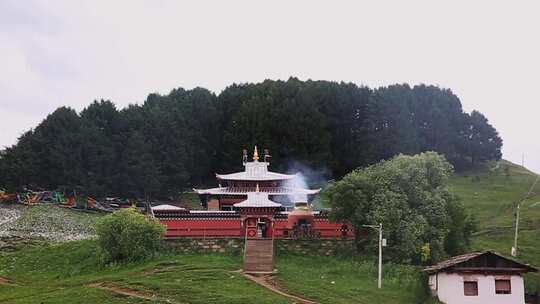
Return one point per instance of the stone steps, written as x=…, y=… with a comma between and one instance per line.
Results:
x=259, y=256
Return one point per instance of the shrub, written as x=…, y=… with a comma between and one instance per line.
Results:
x=127, y=235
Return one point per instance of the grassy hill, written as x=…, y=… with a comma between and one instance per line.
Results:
x=71, y=273
x=490, y=192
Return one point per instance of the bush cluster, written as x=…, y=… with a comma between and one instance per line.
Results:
x=126, y=236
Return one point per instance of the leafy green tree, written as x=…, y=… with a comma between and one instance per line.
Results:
x=462, y=226
x=409, y=196
x=483, y=142
x=127, y=235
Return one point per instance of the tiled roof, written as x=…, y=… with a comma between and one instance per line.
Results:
x=454, y=261
x=268, y=190
x=257, y=199
x=167, y=207
x=256, y=171
x=267, y=176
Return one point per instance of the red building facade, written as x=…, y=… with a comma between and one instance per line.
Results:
x=252, y=204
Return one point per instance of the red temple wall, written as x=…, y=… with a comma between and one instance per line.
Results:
x=326, y=228
x=233, y=228
x=202, y=227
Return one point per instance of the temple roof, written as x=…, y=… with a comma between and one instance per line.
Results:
x=167, y=207
x=267, y=176
x=269, y=191
x=256, y=171
x=257, y=199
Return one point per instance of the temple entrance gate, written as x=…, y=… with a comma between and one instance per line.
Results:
x=257, y=218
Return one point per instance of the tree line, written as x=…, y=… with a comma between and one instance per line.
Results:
x=173, y=142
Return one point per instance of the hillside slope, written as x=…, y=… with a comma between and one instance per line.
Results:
x=490, y=192
x=71, y=273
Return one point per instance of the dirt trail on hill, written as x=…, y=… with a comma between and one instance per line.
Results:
x=267, y=282
x=6, y=281
x=129, y=292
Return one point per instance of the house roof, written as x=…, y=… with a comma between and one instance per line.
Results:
x=257, y=200
x=460, y=259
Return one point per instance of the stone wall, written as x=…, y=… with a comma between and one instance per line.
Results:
x=325, y=247
x=235, y=246
x=197, y=245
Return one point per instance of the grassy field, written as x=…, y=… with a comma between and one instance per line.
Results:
x=333, y=280
x=71, y=273
x=490, y=192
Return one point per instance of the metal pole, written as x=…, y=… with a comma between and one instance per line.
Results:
x=516, y=233
x=379, y=283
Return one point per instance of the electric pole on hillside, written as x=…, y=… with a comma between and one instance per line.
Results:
x=382, y=243
x=514, y=250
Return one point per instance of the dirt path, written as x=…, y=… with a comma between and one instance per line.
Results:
x=267, y=282
x=128, y=292
x=5, y=281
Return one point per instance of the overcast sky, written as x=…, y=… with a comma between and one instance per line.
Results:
x=55, y=53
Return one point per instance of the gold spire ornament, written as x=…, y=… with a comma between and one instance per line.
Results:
x=255, y=154
x=257, y=188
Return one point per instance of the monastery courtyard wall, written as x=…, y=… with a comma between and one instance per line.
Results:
x=235, y=246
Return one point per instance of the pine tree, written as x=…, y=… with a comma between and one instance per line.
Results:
x=138, y=175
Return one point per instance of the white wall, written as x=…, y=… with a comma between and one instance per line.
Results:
x=450, y=289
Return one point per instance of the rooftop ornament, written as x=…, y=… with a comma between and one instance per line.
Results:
x=255, y=155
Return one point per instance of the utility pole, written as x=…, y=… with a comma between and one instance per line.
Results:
x=379, y=228
x=527, y=196
x=379, y=280
x=515, y=249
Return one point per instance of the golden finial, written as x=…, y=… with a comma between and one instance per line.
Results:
x=255, y=154
x=257, y=188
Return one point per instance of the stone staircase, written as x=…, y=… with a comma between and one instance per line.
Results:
x=259, y=256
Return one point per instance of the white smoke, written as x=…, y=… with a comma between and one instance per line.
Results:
x=306, y=178
x=298, y=182
x=311, y=177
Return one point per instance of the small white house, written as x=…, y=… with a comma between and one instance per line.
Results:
x=478, y=278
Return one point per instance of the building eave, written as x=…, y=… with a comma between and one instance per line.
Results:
x=226, y=191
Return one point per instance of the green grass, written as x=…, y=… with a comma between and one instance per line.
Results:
x=491, y=196
x=490, y=193
x=335, y=280
x=64, y=274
